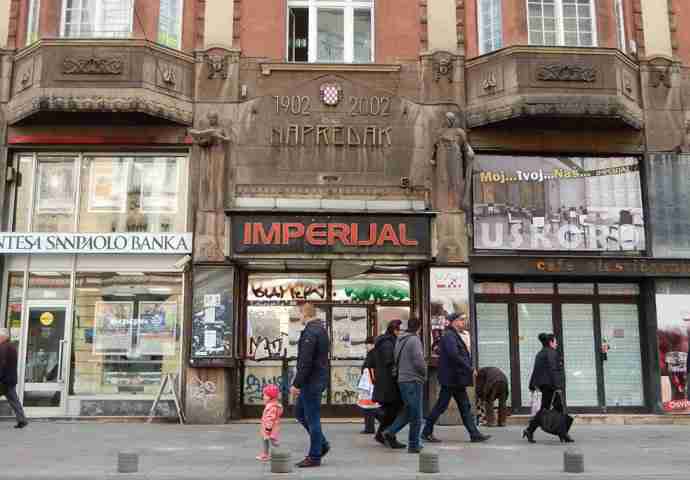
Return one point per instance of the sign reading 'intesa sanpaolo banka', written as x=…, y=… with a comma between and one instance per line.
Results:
x=399, y=234
x=95, y=243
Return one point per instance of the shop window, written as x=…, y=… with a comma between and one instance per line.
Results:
x=558, y=203
x=618, y=289
x=495, y=288
x=97, y=18
x=375, y=288
x=15, y=305
x=493, y=337
x=22, y=198
x=669, y=204
x=338, y=31
x=562, y=22
x=132, y=194
x=126, y=332
x=32, y=21
x=536, y=288
x=55, y=195
x=49, y=286
x=576, y=288
x=170, y=23
x=490, y=25
x=277, y=288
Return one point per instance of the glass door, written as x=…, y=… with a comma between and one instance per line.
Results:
x=493, y=338
x=533, y=319
x=579, y=355
x=46, y=358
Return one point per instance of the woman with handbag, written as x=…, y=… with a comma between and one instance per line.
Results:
x=547, y=376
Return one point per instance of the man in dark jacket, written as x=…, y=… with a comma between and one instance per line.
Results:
x=385, y=385
x=8, y=377
x=492, y=385
x=310, y=382
x=455, y=373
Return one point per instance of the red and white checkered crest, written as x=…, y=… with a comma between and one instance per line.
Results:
x=331, y=93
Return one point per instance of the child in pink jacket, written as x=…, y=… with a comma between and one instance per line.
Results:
x=270, y=420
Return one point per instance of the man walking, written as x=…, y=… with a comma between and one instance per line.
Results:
x=455, y=373
x=411, y=372
x=310, y=382
x=8, y=377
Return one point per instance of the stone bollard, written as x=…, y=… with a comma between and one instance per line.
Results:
x=127, y=462
x=281, y=461
x=573, y=461
x=428, y=462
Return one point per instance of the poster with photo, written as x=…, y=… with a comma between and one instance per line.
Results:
x=558, y=203
x=449, y=293
x=673, y=332
x=56, y=187
x=349, y=332
x=157, y=328
x=108, y=185
x=212, y=313
x=159, y=186
x=113, y=328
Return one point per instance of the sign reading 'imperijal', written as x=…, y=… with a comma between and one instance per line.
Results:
x=331, y=234
x=91, y=243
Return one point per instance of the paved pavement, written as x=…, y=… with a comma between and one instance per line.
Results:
x=53, y=450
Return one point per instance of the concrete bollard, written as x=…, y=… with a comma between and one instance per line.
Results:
x=428, y=462
x=281, y=461
x=573, y=461
x=127, y=462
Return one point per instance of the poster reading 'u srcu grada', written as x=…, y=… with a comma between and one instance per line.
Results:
x=449, y=294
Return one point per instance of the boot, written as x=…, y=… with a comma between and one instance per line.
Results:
x=528, y=434
x=566, y=438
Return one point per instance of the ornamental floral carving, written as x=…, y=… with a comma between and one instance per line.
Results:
x=93, y=66
x=566, y=73
x=443, y=66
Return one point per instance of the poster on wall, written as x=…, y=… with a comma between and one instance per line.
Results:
x=558, y=203
x=108, y=185
x=157, y=328
x=673, y=330
x=112, y=332
x=212, y=314
x=56, y=187
x=449, y=293
x=349, y=332
x=159, y=186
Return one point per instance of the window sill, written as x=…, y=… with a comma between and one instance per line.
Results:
x=269, y=67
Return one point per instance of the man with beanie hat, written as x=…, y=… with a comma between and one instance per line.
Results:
x=8, y=377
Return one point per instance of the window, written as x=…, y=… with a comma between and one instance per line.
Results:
x=620, y=24
x=170, y=23
x=32, y=22
x=561, y=22
x=490, y=31
x=330, y=31
x=97, y=18
x=101, y=194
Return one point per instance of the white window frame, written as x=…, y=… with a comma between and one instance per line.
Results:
x=560, y=31
x=179, y=25
x=349, y=7
x=619, y=10
x=98, y=28
x=33, y=21
x=481, y=5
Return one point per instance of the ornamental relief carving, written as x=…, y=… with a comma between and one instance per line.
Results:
x=93, y=65
x=560, y=72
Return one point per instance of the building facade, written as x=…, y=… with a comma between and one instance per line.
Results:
x=180, y=175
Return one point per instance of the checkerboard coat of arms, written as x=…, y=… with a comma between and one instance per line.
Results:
x=331, y=94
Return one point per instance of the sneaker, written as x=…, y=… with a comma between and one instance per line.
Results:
x=263, y=458
x=414, y=450
x=308, y=462
x=391, y=442
x=21, y=424
x=481, y=438
x=430, y=438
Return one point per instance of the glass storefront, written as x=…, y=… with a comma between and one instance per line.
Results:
x=588, y=319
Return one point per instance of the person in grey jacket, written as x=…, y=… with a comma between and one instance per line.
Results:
x=410, y=368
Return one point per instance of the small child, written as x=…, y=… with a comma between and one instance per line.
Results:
x=270, y=420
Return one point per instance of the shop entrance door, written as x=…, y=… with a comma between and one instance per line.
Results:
x=45, y=351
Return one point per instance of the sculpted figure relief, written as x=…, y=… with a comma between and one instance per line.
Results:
x=452, y=160
x=212, y=135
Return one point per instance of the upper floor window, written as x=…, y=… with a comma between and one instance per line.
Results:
x=170, y=23
x=489, y=20
x=620, y=25
x=561, y=22
x=32, y=21
x=97, y=18
x=330, y=31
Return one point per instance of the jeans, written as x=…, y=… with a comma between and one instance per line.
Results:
x=15, y=404
x=390, y=413
x=308, y=413
x=463, y=401
x=411, y=393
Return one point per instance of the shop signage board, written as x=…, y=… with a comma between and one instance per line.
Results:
x=331, y=234
x=96, y=243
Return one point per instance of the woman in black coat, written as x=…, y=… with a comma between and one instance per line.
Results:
x=547, y=376
x=385, y=385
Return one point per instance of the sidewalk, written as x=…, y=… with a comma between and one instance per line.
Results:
x=51, y=450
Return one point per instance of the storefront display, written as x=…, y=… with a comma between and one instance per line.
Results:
x=449, y=293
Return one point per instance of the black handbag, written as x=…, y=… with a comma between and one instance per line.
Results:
x=555, y=422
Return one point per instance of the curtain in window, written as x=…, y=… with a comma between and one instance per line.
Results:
x=170, y=23
x=32, y=23
x=620, y=25
x=490, y=27
x=97, y=18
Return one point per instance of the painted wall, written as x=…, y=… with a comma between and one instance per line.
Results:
x=657, y=29
x=218, y=23
x=441, y=15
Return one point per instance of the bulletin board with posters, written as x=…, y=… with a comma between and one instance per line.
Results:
x=449, y=293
